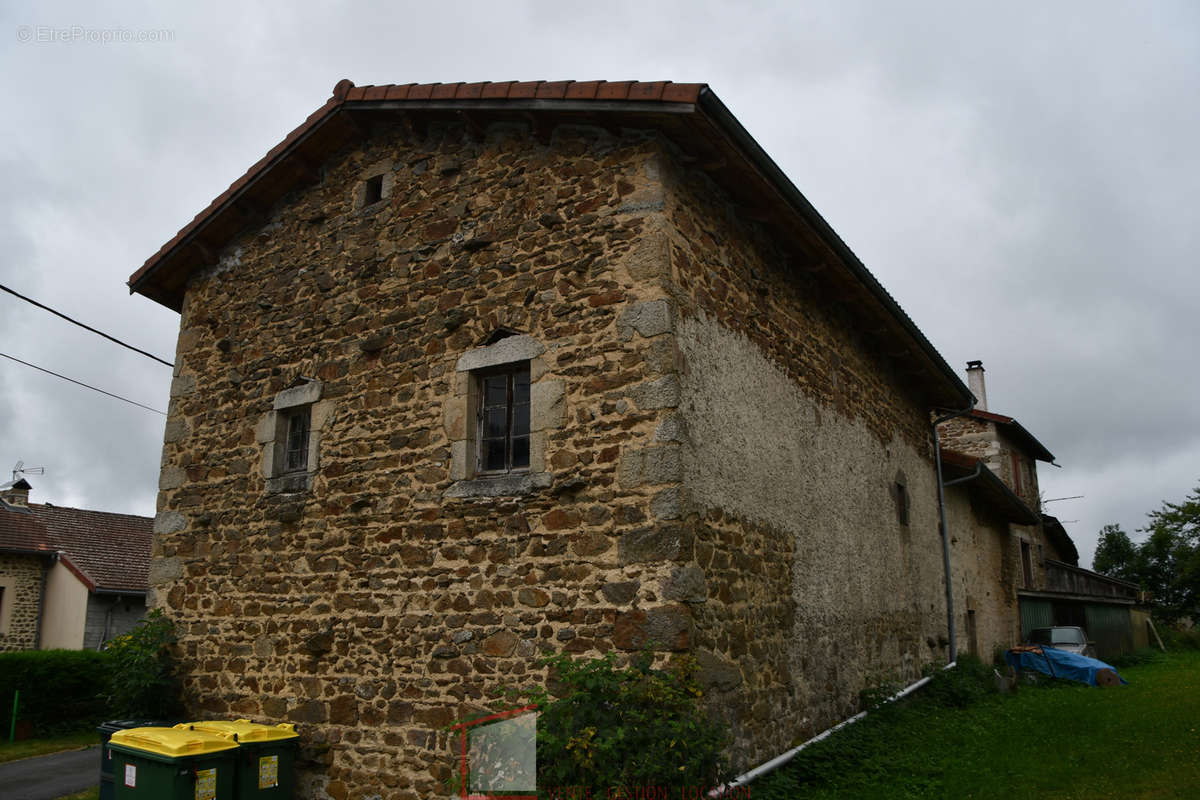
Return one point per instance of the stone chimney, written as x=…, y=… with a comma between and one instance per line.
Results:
x=15, y=493
x=976, y=385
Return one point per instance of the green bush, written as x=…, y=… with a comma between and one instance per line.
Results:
x=969, y=682
x=1147, y=655
x=626, y=727
x=61, y=690
x=142, y=682
x=1179, y=639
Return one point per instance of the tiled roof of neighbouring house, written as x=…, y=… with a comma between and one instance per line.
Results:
x=688, y=114
x=109, y=552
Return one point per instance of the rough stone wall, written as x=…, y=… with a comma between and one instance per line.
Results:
x=981, y=439
x=22, y=578
x=383, y=604
x=984, y=559
x=972, y=437
x=796, y=432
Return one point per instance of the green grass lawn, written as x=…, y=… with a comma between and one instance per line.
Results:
x=1059, y=741
x=11, y=751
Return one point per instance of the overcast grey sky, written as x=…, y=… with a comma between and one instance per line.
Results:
x=1021, y=176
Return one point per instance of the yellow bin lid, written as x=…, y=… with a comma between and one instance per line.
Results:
x=172, y=742
x=243, y=730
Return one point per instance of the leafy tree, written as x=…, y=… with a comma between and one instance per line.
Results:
x=1116, y=555
x=1166, y=563
x=1172, y=557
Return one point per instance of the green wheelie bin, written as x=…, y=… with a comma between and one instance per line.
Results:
x=172, y=764
x=266, y=758
x=106, y=730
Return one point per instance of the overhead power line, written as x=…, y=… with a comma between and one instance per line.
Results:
x=85, y=327
x=81, y=383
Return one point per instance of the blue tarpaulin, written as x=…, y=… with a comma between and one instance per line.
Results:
x=1059, y=664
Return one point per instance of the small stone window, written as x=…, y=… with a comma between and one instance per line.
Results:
x=290, y=436
x=374, y=186
x=503, y=420
x=497, y=419
x=295, y=451
x=373, y=191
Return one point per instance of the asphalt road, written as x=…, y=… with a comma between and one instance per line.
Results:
x=50, y=777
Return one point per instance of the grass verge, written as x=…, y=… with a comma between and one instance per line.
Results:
x=956, y=739
x=11, y=751
x=89, y=794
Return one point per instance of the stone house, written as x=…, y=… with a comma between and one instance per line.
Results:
x=69, y=577
x=470, y=371
x=991, y=460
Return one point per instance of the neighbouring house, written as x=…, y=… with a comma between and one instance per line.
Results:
x=69, y=578
x=991, y=462
x=467, y=372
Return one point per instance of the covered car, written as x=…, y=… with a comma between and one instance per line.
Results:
x=1063, y=664
x=1063, y=637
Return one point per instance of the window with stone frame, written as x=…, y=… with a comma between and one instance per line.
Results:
x=290, y=435
x=296, y=423
x=503, y=405
x=502, y=421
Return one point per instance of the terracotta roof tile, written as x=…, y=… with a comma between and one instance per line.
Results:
x=496, y=91
x=111, y=551
x=582, y=90
x=646, y=91
x=21, y=530
x=397, y=91
x=444, y=91
x=613, y=90
x=375, y=93
x=420, y=91
x=681, y=92
x=470, y=91
x=524, y=90
x=552, y=90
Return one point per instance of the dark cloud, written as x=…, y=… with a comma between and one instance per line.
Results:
x=1019, y=177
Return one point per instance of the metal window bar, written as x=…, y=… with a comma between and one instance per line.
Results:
x=295, y=456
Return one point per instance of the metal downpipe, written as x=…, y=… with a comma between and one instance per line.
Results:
x=941, y=492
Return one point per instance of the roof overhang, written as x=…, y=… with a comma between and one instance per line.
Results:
x=691, y=116
x=1065, y=545
x=1016, y=431
x=987, y=486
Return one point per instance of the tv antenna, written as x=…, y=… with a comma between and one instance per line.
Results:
x=20, y=469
